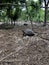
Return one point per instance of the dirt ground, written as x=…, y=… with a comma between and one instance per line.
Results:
x=16, y=49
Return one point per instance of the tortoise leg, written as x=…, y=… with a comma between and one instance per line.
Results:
x=24, y=34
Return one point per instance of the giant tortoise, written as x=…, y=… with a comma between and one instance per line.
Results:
x=28, y=32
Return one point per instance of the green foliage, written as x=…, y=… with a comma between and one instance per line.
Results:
x=8, y=1
x=22, y=1
x=13, y=13
x=33, y=10
x=24, y=16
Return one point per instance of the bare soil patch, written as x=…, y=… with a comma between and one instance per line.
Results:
x=16, y=49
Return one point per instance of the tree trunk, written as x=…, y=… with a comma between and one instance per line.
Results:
x=14, y=23
x=31, y=22
x=45, y=16
x=11, y=21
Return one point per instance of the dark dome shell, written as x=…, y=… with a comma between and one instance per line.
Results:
x=28, y=32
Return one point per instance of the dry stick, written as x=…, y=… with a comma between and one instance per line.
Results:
x=45, y=39
x=19, y=48
x=14, y=60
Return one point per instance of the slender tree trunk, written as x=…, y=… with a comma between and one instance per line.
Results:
x=31, y=25
x=14, y=23
x=31, y=22
x=45, y=16
x=11, y=21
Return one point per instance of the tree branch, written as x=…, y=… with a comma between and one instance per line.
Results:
x=7, y=4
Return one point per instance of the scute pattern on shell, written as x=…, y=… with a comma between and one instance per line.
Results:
x=28, y=32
